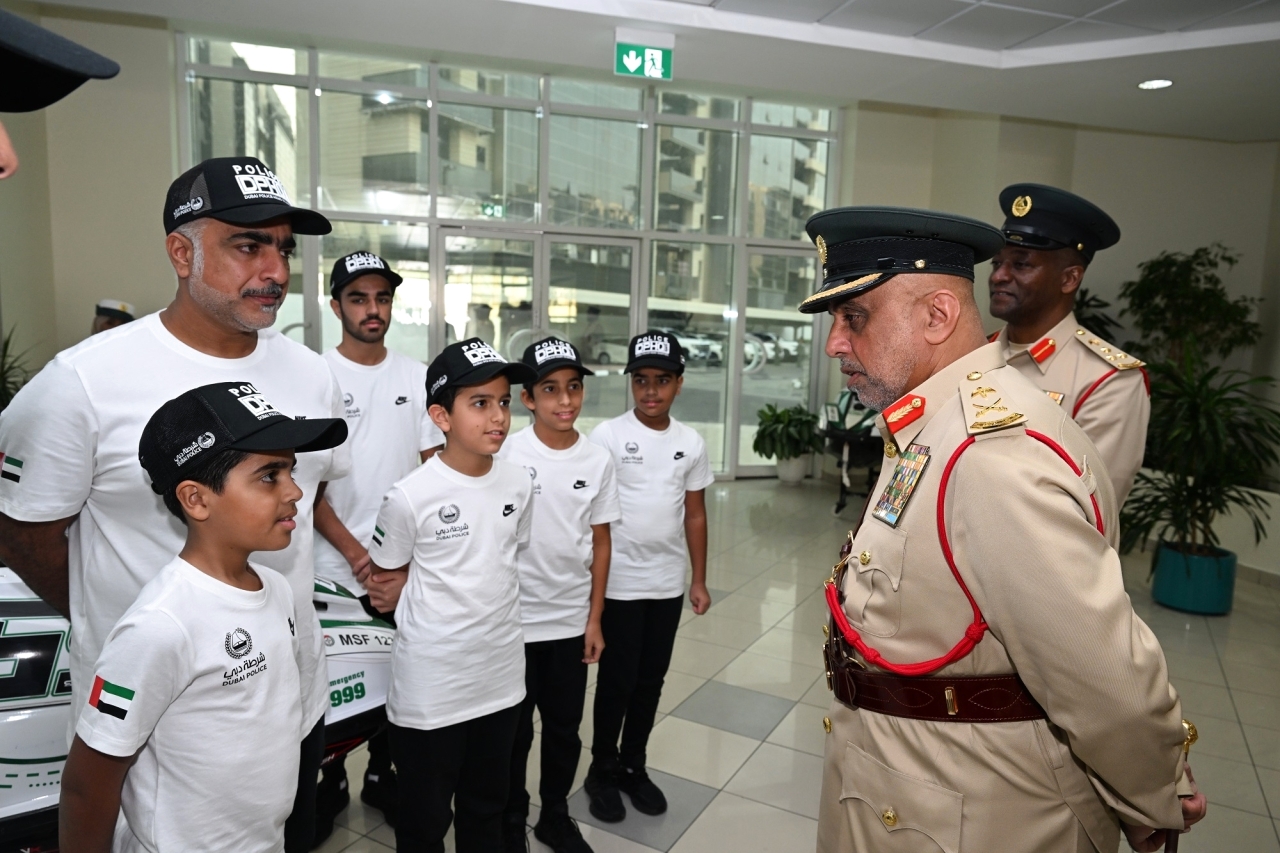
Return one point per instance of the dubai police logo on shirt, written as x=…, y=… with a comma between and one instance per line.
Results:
x=632, y=447
x=449, y=513
x=110, y=699
x=364, y=261
x=251, y=398
x=257, y=182
x=481, y=353
x=10, y=468
x=238, y=643
x=551, y=348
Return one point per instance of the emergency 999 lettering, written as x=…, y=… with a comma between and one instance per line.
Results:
x=350, y=693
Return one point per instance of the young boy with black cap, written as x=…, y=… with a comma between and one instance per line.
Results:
x=194, y=719
x=662, y=470
x=385, y=399
x=457, y=669
x=563, y=573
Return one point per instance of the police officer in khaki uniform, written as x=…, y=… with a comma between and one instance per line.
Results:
x=994, y=689
x=1051, y=236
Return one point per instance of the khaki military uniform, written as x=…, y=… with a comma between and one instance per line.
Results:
x=1023, y=529
x=1101, y=387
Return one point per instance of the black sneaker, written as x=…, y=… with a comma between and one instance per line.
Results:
x=332, y=796
x=602, y=789
x=382, y=792
x=560, y=832
x=514, y=837
x=645, y=795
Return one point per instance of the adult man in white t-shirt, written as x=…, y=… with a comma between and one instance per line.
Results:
x=79, y=522
x=385, y=398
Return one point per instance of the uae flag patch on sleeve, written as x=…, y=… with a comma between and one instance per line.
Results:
x=378, y=535
x=111, y=699
x=10, y=468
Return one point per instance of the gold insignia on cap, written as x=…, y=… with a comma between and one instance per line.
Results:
x=1079, y=247
x=1021, y=206
x=822, y=249
x=921, y=264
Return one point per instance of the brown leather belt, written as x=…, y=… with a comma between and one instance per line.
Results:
x=967, y=699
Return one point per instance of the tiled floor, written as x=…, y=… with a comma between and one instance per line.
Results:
x=739, y=740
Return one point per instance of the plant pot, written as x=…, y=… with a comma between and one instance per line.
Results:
x=791, y=471
x=1192, y=582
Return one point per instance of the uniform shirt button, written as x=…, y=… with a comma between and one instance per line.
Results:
x=890, y=450
x=890, y=817
x=826, y=725
x=864, y=558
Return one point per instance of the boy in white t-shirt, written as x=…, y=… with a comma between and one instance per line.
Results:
x=194, y=719
x=563, y=573
x=662, y=473
x=457, y=668
x=385, y=401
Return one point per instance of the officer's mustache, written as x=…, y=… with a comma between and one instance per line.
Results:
x=848, y=367
x=274, y=290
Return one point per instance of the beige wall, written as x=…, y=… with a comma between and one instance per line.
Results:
x=26, y=274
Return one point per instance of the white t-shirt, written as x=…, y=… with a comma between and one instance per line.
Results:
x=655, y=469
x=387, y=428
x=573, y=489
x=203, y=678
x=459, y=651
x=75, y=428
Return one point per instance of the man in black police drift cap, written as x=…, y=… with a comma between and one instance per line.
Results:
x=39, y=68
x=73, y=430
x=1051, y=236
x=992, y=682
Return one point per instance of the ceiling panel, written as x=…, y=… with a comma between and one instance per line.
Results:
x=992, y=28
x=1263, y=13
x=791, y=10
x=895, y=17
x=1167, y=15
x=1077, y=32
x=1071, y=8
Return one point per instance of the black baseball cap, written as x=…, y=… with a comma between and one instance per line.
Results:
x=552, y=354
x=40, y=67
x=199, y=424
x=238, y=190
x=655, y=349
x=350, y=267
x=471, y=362
x=863, y=247
x=1043, y=217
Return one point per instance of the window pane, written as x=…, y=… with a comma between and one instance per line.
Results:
x=689, y=297
x=696, y=171
x=702, y=106
x=373, y=154
x=778, y=342
x=230, y=119
x=488, y=163
x=788, y=115
x=488, y=82
x=595, y=173
x=289, y=317
x=595, y=94
x=788, y=184
x=404, y=247
x=371, y=69
x=255, y=57
x=488, y=291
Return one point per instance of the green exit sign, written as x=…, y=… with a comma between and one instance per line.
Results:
x=639, y=53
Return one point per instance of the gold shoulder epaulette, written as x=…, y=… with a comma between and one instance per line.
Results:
x=1109, y=353
x=985, y=407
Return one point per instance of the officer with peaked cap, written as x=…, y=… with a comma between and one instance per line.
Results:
x=994, y=689
x=1051, y=236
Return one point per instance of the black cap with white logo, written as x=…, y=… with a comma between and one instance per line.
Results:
x=471, y=362
x=238, y=190
x=350, y=267
x=552, y=354
x=655, y=349
x=40, y=67
x=195, y=426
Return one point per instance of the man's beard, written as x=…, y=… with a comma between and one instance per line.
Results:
x=357, y=331
x=225, y=308
x=880, y=391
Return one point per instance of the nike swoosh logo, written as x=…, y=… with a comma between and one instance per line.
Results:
x=508, y=509
x=400, y=401
x=581, y=484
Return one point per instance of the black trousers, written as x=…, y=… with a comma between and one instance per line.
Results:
x=466, y=765
x=300, y=828
x=555, y=680
x=638, y=639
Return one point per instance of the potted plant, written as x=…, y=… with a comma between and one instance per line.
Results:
x=790, y=436
x=13, y=371
x=1212, y=436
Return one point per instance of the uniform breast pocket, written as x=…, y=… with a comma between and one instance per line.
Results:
x=883, y=804
x=871, y=587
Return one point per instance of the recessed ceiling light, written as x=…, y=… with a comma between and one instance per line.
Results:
x=1155, y=84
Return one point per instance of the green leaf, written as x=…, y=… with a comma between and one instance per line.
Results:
x=786, y=433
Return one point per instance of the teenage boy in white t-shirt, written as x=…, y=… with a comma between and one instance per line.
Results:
x=457, y=668
x=385, y=399
x=662, y=473
x=563, y=573
x=193, y=722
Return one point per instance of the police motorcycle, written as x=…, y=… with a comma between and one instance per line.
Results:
x=35, y=699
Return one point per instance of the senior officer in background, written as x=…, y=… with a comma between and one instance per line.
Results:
x=994, y=688
x=1051, y=237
